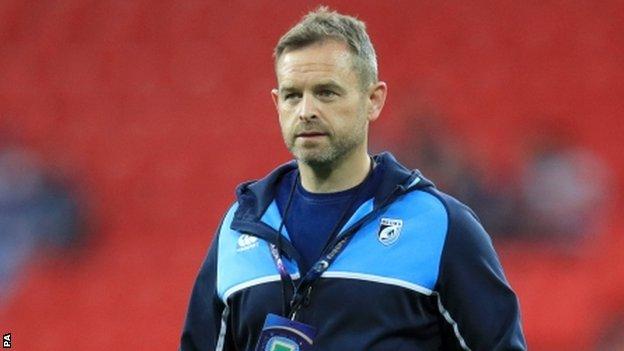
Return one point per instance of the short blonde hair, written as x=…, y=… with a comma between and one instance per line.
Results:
x=323, y=24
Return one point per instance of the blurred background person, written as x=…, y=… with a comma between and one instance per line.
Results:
x=429, y=145
x=40, y=214
x=564, y=185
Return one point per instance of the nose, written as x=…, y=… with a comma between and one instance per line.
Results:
x=307, y=109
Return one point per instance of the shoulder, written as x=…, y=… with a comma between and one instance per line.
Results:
x=446, y=208
x=464, y=234
x=468, y=249
x=458, y=213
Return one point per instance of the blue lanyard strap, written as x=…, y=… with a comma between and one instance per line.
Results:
x=275, y=252
x=304, y=288
x=301, y=294
x=303, y=291
x=279, y=263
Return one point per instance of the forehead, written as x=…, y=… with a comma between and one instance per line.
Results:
x=329, y=59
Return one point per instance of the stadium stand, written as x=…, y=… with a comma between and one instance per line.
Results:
x=164, y=107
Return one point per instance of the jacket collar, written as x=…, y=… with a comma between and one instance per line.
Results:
x=254, y=197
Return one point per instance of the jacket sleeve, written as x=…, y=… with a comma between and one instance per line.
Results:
x=474, y=297
x=202, y=328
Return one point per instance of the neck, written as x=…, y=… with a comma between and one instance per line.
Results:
x=341, y=175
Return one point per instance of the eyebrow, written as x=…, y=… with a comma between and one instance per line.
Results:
x=330, y=84
x=286, y=89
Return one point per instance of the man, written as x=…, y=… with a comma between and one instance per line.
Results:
x=339, y=250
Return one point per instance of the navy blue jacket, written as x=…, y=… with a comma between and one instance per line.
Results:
x=432, y=282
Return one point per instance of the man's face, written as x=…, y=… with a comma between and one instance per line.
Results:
x=323, y=110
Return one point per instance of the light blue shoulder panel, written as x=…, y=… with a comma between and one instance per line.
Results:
x=413, y=260
x=244, y=260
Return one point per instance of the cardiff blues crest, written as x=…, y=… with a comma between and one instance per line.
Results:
x=389, y=230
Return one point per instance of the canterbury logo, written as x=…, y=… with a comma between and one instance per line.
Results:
x=246, y=242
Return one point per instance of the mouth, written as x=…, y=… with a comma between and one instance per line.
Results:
x=311, y=135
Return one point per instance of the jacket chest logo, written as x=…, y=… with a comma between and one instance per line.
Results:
x=246, y=242
x=389, y=230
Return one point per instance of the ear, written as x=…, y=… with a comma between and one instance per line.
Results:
x=376, y=99
x=275, y=96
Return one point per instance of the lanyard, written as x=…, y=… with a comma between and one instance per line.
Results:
x=304, y=289
x=301, y=293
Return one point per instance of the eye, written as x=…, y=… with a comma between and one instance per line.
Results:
x=326, y=93
x=290, y=96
